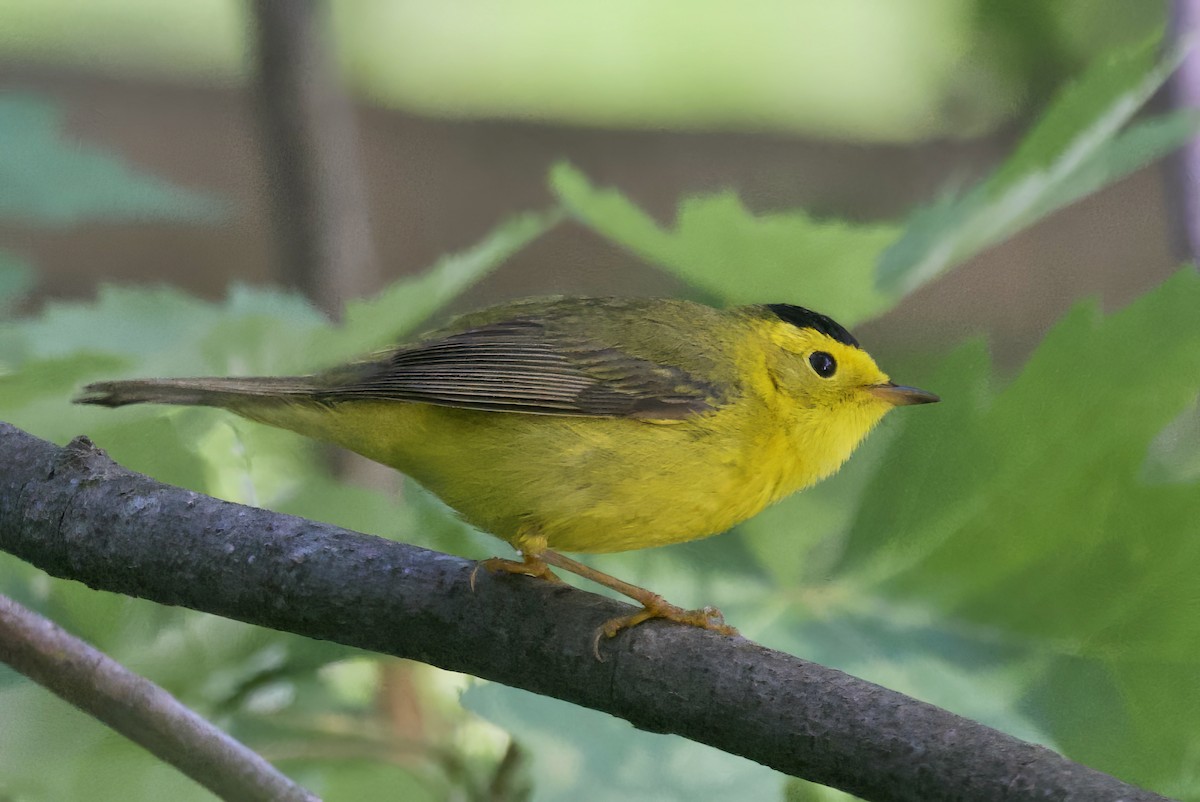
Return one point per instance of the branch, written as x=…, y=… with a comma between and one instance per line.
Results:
x=75, y=514
x=310, y=145
x=1183, y=168
x=138, y=709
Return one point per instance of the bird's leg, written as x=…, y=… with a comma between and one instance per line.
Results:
x=653, y=605
x=529, y=565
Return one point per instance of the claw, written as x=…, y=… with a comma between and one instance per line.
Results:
x=536, y=561
x=709, y=618
x=529, y=566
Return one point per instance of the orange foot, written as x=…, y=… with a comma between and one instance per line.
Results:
x=529, y=566
x=656, y=607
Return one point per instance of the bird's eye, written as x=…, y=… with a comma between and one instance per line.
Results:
x=824, y=364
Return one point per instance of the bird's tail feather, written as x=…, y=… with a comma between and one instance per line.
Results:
x=209, y=392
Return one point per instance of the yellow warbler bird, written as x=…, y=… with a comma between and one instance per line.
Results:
x=587, y=424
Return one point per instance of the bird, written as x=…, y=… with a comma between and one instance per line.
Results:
x=586, y=424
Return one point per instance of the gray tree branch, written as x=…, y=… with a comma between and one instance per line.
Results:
x=1183, y=167
x=310, y=146
x=75, y=514
x=138, y=709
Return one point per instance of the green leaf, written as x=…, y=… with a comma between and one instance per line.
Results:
x=57, y=377
x=59, y=752
x=49, y=179
x=723, y=249
x=966, y=670
x=404, y=305
x=1076, y=148
x=583, y=754
x=365, y=778
x=1025, y=510
x=170, y=333
x=1174, y=456
x=138, y=322
x=1131, y=716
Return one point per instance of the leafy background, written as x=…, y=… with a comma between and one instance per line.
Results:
x=857, y=68
x=1023, y=553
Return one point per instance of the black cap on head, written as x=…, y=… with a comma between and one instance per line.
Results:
x=803, y=318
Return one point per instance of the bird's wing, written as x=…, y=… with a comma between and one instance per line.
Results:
x=523, y=365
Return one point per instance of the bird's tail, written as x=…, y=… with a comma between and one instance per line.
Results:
x=208, y=392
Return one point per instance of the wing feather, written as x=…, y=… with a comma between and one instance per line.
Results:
x=524, y=366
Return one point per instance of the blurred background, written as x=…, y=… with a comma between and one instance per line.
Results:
x=270, y=162
x=855, y=109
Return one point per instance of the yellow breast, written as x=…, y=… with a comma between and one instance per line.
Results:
x=591, y=484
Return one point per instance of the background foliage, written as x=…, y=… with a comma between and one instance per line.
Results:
x=1022, y=554
x=857, y=69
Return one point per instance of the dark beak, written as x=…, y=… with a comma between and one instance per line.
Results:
x=900, y=396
